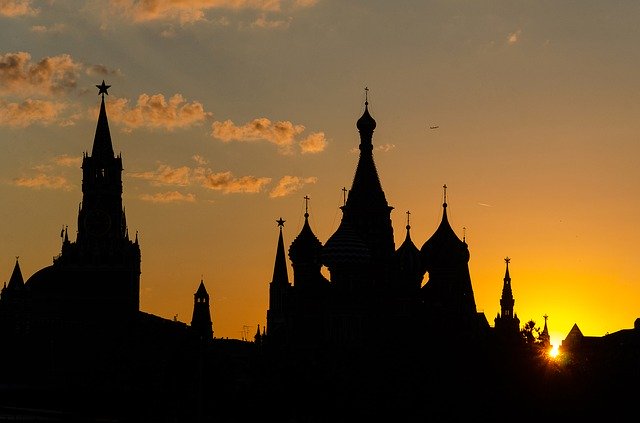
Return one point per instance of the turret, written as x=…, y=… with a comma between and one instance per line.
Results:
x=201, y=319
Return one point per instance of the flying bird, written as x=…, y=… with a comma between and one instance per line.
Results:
x=434, y=127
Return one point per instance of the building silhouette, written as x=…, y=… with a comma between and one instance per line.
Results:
x=389, y=332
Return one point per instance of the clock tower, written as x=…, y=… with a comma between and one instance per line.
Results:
x=103, y=252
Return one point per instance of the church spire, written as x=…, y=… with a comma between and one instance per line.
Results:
x=280, y=274
x=102, y=146
x=366, y=209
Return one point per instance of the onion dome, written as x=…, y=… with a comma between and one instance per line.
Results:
x=345, y=247
x=306, y=247
x=408, y=258
x=366, y=123
x=444, y=248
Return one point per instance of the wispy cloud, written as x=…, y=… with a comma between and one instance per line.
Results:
x=29, y=112
x=185, y=176
x=43, y=180
x=187, y=10
x=169, y=197
x=16, y=8
x=68, y=161
x=228, y=183
x=384, y=148
x=166, y=175
x=290, y=184
x=314, y=143
x=485, y=205
x=53, y=29
x=199, y=159
x=264, y=22
x=51, y=75
x=280, y=133
x=514, y=37
x=154, y=111
x=102, y=70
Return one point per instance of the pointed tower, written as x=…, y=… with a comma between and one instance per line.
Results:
x=102, y=246
x=278, y=294
x=408, y=263
x=507, y=324
x=544, y=338
x=201, y=318
x=366, y=210
x=448, y=293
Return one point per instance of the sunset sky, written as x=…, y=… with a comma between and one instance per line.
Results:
x=229, y=112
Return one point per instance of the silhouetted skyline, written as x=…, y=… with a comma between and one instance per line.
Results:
x=535, y=109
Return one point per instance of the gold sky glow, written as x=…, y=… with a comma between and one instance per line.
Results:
x=226, y=117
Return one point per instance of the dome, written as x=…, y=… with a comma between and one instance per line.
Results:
x=345, y=247
x=408, y=256
x=444, y=247
x=366, y=123
x=306, y=247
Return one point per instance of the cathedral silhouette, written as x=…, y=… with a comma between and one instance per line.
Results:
x=373, y=339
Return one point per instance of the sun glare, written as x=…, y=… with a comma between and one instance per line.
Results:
x=554, y=351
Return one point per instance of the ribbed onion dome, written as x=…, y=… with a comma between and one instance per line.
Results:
x=444, y=248
x=408, y=255
x=366, y=123
x=345, y=247
x=306, y=247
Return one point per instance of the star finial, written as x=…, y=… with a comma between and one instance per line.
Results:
x=102, y=88
x=507, y=260
x=280, y=222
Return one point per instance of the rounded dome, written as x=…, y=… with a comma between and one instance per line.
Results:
x=306, y=247
x=345, y=247
x=366, y=123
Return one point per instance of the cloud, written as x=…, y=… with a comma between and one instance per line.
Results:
x=51, y=75
x=43, y=181
x=262, y=22
x=314, y=143
x=169, y=197
x=154, y=111
x=485, y=205
x=67, y=161
x=384, y=148
x=102, y=70
x=166, y=175
x=514, y=37
x=280, y=133
x=199, y=159
x=227, y=183
x=15, y=8
x=30, y=112
x=186, y=11
x=290, y=184
x=53, y=29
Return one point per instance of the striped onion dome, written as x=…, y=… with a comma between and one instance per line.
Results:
x=345, y=247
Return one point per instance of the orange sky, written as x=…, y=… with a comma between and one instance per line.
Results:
x=227, y=117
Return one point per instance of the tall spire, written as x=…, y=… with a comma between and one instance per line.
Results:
x=366, y=209
x=280, y=273
x=102, y=146
x=506, y=300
